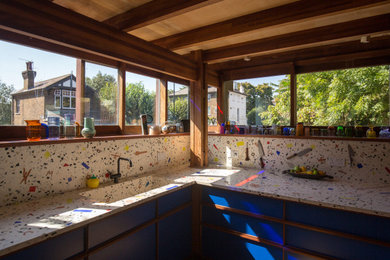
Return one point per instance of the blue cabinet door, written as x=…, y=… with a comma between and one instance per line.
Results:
x=175, y=235
x=60, y=247
x=140, y=246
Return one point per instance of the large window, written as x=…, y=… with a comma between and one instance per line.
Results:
x=29, y=79
x=140, y=98
x=260, y=101
x=178, y=103
x=357, y=96
x=101, y=94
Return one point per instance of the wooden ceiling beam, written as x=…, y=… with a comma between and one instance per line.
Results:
x=46, y=21
x=275, y=16
x=355, y=46
x=358, y=27
x=153, y=12
x=365, y=58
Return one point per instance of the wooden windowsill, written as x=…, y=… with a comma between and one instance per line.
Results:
x=363, y=139
x=82, y=139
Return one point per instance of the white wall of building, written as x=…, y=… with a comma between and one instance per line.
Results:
x=237, y=107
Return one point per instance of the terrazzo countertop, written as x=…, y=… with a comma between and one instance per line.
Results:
x=34, y=221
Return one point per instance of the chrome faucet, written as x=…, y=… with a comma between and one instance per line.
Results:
x=118, y=174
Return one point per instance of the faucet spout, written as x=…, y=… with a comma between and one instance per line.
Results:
x=125, y=159
x=118, y=174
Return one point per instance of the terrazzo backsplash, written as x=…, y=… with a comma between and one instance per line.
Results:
x=370, y=160
x=29, y=172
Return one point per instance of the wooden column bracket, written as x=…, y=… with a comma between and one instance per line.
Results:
x=80, y=88
x=199, y=127
x=122, y=97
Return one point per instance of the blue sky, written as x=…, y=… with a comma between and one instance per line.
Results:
x=50, y=65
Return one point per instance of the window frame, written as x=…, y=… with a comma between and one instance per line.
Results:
x=292, y=69
x=55, y=98
x=17, y=106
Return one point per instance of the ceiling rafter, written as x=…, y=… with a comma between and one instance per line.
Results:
x=154, y=11
x=355, y=46
x=278, y=15
x=357, y=27
x=47, y=21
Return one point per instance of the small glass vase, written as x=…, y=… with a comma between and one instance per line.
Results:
x=89, y=128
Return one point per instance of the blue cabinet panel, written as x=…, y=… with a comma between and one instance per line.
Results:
x=264, y=229
x=173, y=200
x=349, y=222
x=140, y=245
x=333, y=245
x=251, y=203
x=219, y=245
x=175, y=235
x=60, y=247
x=109, y=227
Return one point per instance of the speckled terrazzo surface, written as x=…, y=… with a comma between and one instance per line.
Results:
x=34, y=221
x=31, y=172
x=370, y=160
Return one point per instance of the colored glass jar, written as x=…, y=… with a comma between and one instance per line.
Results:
x=299, y=130
x=89, y=128
x=33, y=130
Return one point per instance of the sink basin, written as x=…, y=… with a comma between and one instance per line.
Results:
x=125, y=189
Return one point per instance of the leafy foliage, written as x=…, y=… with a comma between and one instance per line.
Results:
x=344, y=97
x=177, y=109
x=138, y=101
x=5, y=103
x=340, y=97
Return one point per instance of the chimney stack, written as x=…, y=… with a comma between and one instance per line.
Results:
x=28, y=76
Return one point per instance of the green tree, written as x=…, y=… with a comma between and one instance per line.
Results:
x=5, y=103
x=344, y=97
x=138, y=101
x=258, y=99
x=279, y=112
x=178, y=109
x=106, y=88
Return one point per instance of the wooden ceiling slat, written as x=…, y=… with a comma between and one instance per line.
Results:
x=155, y=11
x=355, y=46
x=358, y=27
x=270, y=17
x=47, y=21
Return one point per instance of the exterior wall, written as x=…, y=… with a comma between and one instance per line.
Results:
x=237, y=101
x=371, y=163
x=57, y=168
x=212, y=103
x=32, y=106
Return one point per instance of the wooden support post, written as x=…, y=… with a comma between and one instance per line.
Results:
x=293, y=97
x=80, y=88
x=122, y=97
x=163, y=90
x=220, y=103
x=199, y=128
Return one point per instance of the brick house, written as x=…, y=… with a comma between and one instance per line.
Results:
x=52, y=97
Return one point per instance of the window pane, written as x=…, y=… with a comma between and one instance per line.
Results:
x=260, y=101
x=344, y=97
x=178, y=105
x=140, y=98
x=28, y=81
x=65, y=102
x=73, y=102
x=57, y=102
x=212, y=105
x=100, y=94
